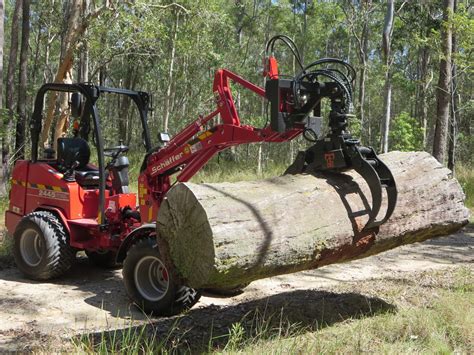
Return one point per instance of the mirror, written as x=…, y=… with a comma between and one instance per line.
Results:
x=76, y=104
x=164, y=137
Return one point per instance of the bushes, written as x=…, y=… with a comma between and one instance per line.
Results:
x=406, y=133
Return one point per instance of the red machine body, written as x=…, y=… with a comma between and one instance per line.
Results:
x=40, y=185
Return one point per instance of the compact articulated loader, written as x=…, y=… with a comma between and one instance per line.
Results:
x=60, y=203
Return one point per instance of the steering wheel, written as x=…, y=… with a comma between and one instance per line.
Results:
x=114, y=152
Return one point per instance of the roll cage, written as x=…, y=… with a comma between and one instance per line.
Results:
x=91, y=93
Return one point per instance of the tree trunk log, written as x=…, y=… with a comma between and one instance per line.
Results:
x=222, y=235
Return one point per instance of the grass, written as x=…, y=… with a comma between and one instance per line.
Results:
x=232, y=172
x=429, y=312
x=465, y=175
x=445, y=327
x=6, y=258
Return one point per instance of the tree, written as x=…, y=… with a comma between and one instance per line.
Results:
x=443, y=90
x=169, y=94
x=2, y=37
x=10, y=89
x=386, y=50
x=454, y=102
x=76, y=26
x=22, y=83
x=364, y=11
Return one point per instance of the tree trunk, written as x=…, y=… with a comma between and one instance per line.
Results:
x=83, y=75
x=425, y=81
x=167, y=107
x=2, y=39
x=453, y=122
x=21, y=107
x=221, y=235
x=387, y=111
x=125, y=103
x=362, y=80
x=443, y=96
x=386, y=43
x=9, y=90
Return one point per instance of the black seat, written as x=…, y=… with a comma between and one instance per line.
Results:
x=88, y=178
x=74, y=153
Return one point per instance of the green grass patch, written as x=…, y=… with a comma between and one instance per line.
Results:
x=233, y=171
x=429, y=312
x=465, y=175
x=445, y=327
x=6, y=244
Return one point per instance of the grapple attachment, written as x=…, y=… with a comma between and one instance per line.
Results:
x=342, y=152
x=296, y=100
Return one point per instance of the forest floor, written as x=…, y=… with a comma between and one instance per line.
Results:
x=89, y=300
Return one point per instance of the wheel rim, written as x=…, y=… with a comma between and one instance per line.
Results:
x=151, y=278
x=31, y=247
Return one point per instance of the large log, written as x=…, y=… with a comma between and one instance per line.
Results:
x=225, y=234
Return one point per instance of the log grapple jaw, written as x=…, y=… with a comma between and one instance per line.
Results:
x=296, y=103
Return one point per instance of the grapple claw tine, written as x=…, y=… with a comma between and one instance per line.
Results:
x=366, y=170
x=378, y=176
x=388, y=181
x=297, y=167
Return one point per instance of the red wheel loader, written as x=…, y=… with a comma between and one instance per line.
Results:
x=61, y=203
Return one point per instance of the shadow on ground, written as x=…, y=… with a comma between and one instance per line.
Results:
x=204, y=328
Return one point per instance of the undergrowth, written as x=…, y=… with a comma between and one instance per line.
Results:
x=465, y=175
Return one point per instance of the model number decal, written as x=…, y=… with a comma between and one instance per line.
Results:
x=47, y=193
x=54, y=195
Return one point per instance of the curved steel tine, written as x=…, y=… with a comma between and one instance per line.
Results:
x=297, y=167
x=364, y=169
x=386, y=175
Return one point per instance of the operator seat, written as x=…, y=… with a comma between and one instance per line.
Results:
x=74, y=155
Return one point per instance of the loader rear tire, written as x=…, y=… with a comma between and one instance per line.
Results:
x=41, y=246
x=149, y=284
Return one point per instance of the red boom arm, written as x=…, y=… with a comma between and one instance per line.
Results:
x=191, y=149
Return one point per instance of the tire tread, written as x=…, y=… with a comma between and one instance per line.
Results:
x=60, y=255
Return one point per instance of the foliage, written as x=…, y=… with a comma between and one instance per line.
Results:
x=406, y=133
x=465, y=175
x=132, y=45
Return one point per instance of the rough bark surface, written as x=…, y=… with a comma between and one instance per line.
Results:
x=443, y=92
x=220, y=235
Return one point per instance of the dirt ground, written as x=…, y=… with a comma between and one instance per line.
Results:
x=90, y=300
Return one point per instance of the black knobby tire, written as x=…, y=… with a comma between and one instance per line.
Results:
x=162, y=297
x=41, y=246
x=105, y=259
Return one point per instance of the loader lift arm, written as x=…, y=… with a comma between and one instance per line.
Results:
x=294, y=103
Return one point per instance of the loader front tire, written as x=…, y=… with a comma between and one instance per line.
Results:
x=41, y=246
x=149, y=284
